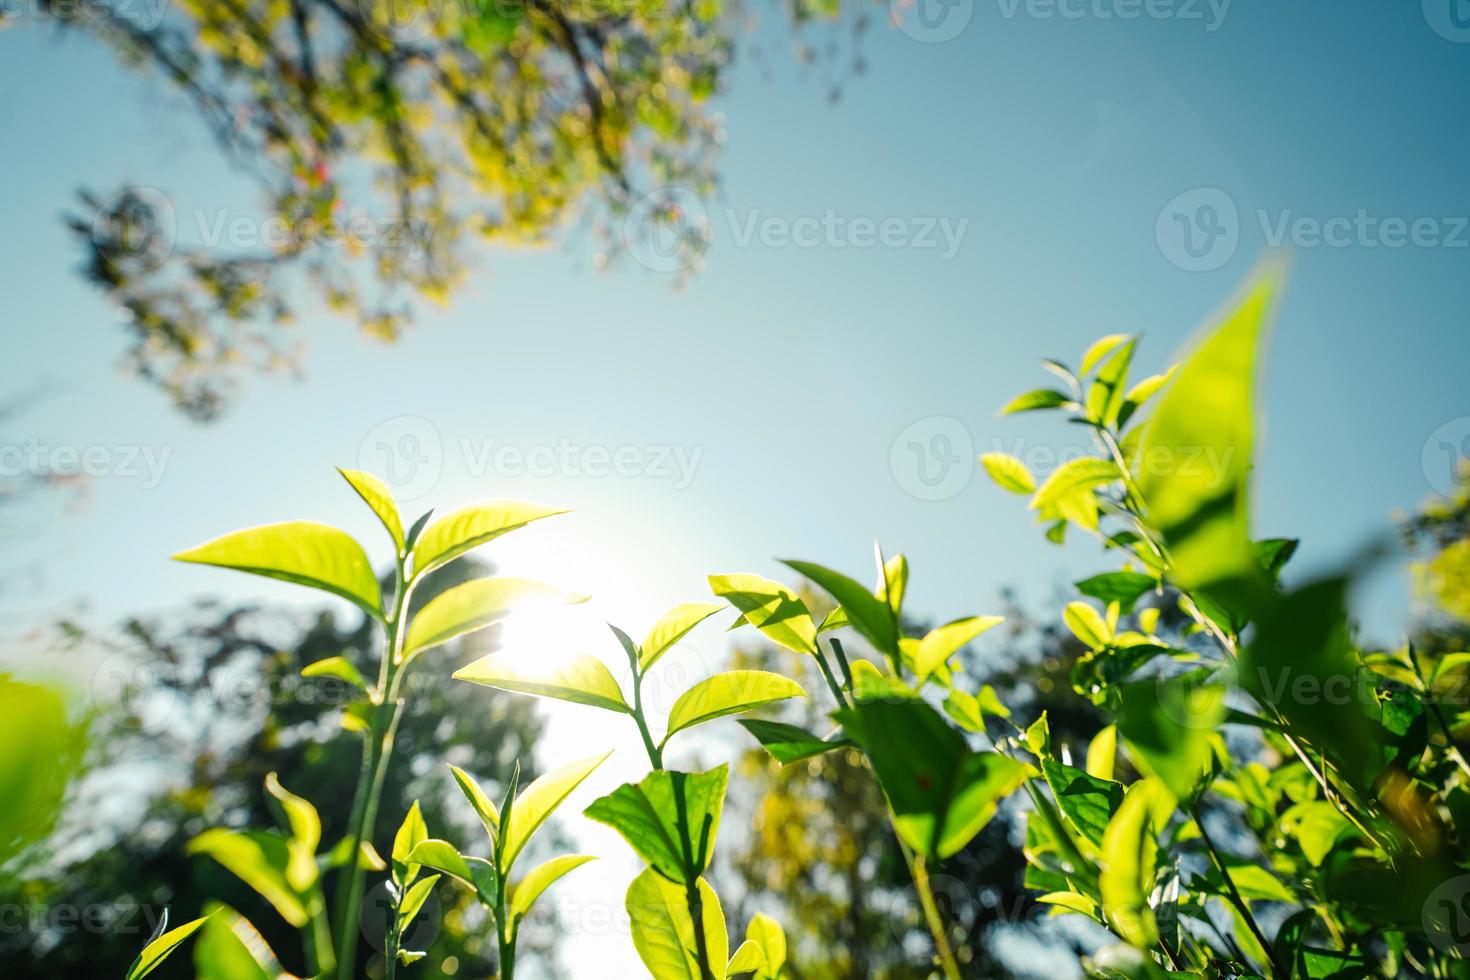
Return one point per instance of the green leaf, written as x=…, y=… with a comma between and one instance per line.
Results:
x=300, y=552
x=441, y=856
x=771, y=608
x=1141, y=393
x=1274, y=553
x=942, y=642
x=159, y=948
x=1088, y=802
x=1037, y=399
x=230, y=948
x=1105, y=397
x=766, y=933
x=1195, y=458
x=969, y=710
x=483, y=806
x=835, y=619
x=1009, y=472
x=1301, y=663
x=1102, y=753
x=670, y=818
x=524, y=893
x=585, y=680
x=940, y=792
x=414, y=899
x=305, y=826
x=474, y=605
x=730, y=693
x=1170, y=724
x=1087, y=624
x=259, y=858
x=671, y=629
x=893, y=581
x=1124, y=588
x=535, y=804
x=747, y=959
x=411, y=833
x=1100, y=349
x=789, y=743
x=1129, y=851
x=870, y=616
x=338, y=667
x=375, y=493
x=664, y=931
x=471, y=526
x=1080, y=474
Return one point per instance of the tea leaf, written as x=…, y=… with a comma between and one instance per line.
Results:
x=730, y=693
x=585, y=680
x=871, y=616
x=1009, y=472
x=771, y=608
x=672, y=628
x=471, y=526
x=474, y=605
x=158, y=950
x=535, y=804
x=375, y=493
x=300, y=552
x=670, y=818
x=524, y=893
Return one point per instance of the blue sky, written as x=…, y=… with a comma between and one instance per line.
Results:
x=1068, y=153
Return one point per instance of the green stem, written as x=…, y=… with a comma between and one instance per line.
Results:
x=830, y=678
x=390, y=950
x=655, y=754
x=377, y=752
x=504, y=934
x=1235, y=897
x=918, y=867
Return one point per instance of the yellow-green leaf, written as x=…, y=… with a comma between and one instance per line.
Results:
x=484, y=808
x=1080, y=474
x=1087, y=624
x=771, y=608
x=941, y=643
x=535, y=804
x=306, y=834
x=1102, y=753
x=524, y=893
x=1100, y=348
x=1194, y=462
x=585, y=680
x=339, y=667
x=158, y=949
x=230, y=948
x=474, y=605
x=1033, y=400
x=300, y=552
x=747, y=959
x=663, y=929
x=729, y=693
x=672, y=628
x=1008, y=472
x=1129, y=851
x=258, y=858
x=375, y=493
x=471, y=526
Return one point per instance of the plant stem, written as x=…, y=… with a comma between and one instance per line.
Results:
x=1235, y=897
x=831, y=678
x=505, y=937
x=655, y=755
x=376, y=753
x=390, y=951
x=918, y=867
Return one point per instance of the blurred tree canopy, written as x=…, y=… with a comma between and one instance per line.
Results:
x=386, y=137
x=214, y=701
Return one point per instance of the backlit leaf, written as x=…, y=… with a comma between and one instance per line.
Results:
x=1009, y=472
x=375, y=493
x=471, y=526
x=1129, y=850
x=670, y=818
x=729, y=693
x=474, y=605
x=585, y=680
x=869, y=615
x=671, y=628
x=1037, y=399
x=789, y=743
x=771, y=608
x=525, y=892
x=158, y=949
x=535, y=804
x=942, y=642
x=300, y=552
x=664, y=930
